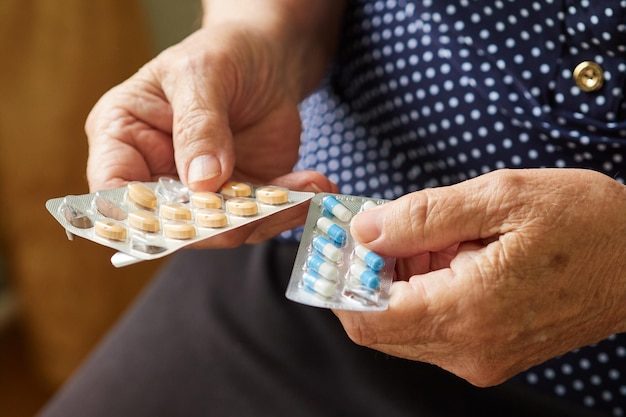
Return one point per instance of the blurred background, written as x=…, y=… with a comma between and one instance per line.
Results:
x=58, y=298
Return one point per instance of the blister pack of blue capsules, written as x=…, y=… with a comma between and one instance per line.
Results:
x=145, y=221
x=331, y=269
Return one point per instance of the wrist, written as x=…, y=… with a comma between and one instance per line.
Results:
x=304, y=33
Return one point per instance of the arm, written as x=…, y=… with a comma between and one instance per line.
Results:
x=307, y=29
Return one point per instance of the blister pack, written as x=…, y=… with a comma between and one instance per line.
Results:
x=332, y=270
x=146, y=221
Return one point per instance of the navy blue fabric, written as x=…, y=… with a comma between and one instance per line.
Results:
x=428, y=93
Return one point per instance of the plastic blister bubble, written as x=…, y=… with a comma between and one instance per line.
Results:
x=146, y=221
x=332, y=270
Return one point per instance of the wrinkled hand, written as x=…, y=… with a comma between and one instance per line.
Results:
x=220, y=96
x=498, y=273
x=218, y=105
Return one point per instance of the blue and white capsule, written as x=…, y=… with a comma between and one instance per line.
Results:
x=366, y=276
x=337, y=208
x=325, y=269
x=314, y=282
x=326, y=213
x=332, y=230
x=327, y=248
x=371, y=258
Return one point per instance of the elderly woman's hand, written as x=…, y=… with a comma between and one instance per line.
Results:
x=498, y=273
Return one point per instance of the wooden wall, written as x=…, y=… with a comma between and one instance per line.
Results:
x=58, y=57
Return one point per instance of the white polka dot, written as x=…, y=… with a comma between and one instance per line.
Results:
x=444, y=92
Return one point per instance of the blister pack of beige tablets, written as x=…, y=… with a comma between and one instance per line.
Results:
x=144, y=221
x=331, y=269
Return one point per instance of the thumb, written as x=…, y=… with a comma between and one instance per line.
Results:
x=203, y=147
x=431, y=219
x=203, y=141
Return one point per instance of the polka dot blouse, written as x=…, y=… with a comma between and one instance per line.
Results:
x=427, y=93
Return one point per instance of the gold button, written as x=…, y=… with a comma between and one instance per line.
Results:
x=588, y=76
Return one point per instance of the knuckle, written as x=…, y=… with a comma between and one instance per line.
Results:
x=425, y=210
x=413, y=209
x=484, y=379
x=486, y=373
x=358, y=333
x=191, y=123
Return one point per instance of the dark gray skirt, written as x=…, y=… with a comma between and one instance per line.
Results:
x=214, y=335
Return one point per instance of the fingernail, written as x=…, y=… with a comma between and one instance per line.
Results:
x=202, y=168
x=367, y=226
x=316, y=188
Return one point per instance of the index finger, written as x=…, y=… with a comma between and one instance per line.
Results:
x=129, y=136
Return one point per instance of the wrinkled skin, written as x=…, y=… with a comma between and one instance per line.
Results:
x=223, y=94
x=498, y=273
